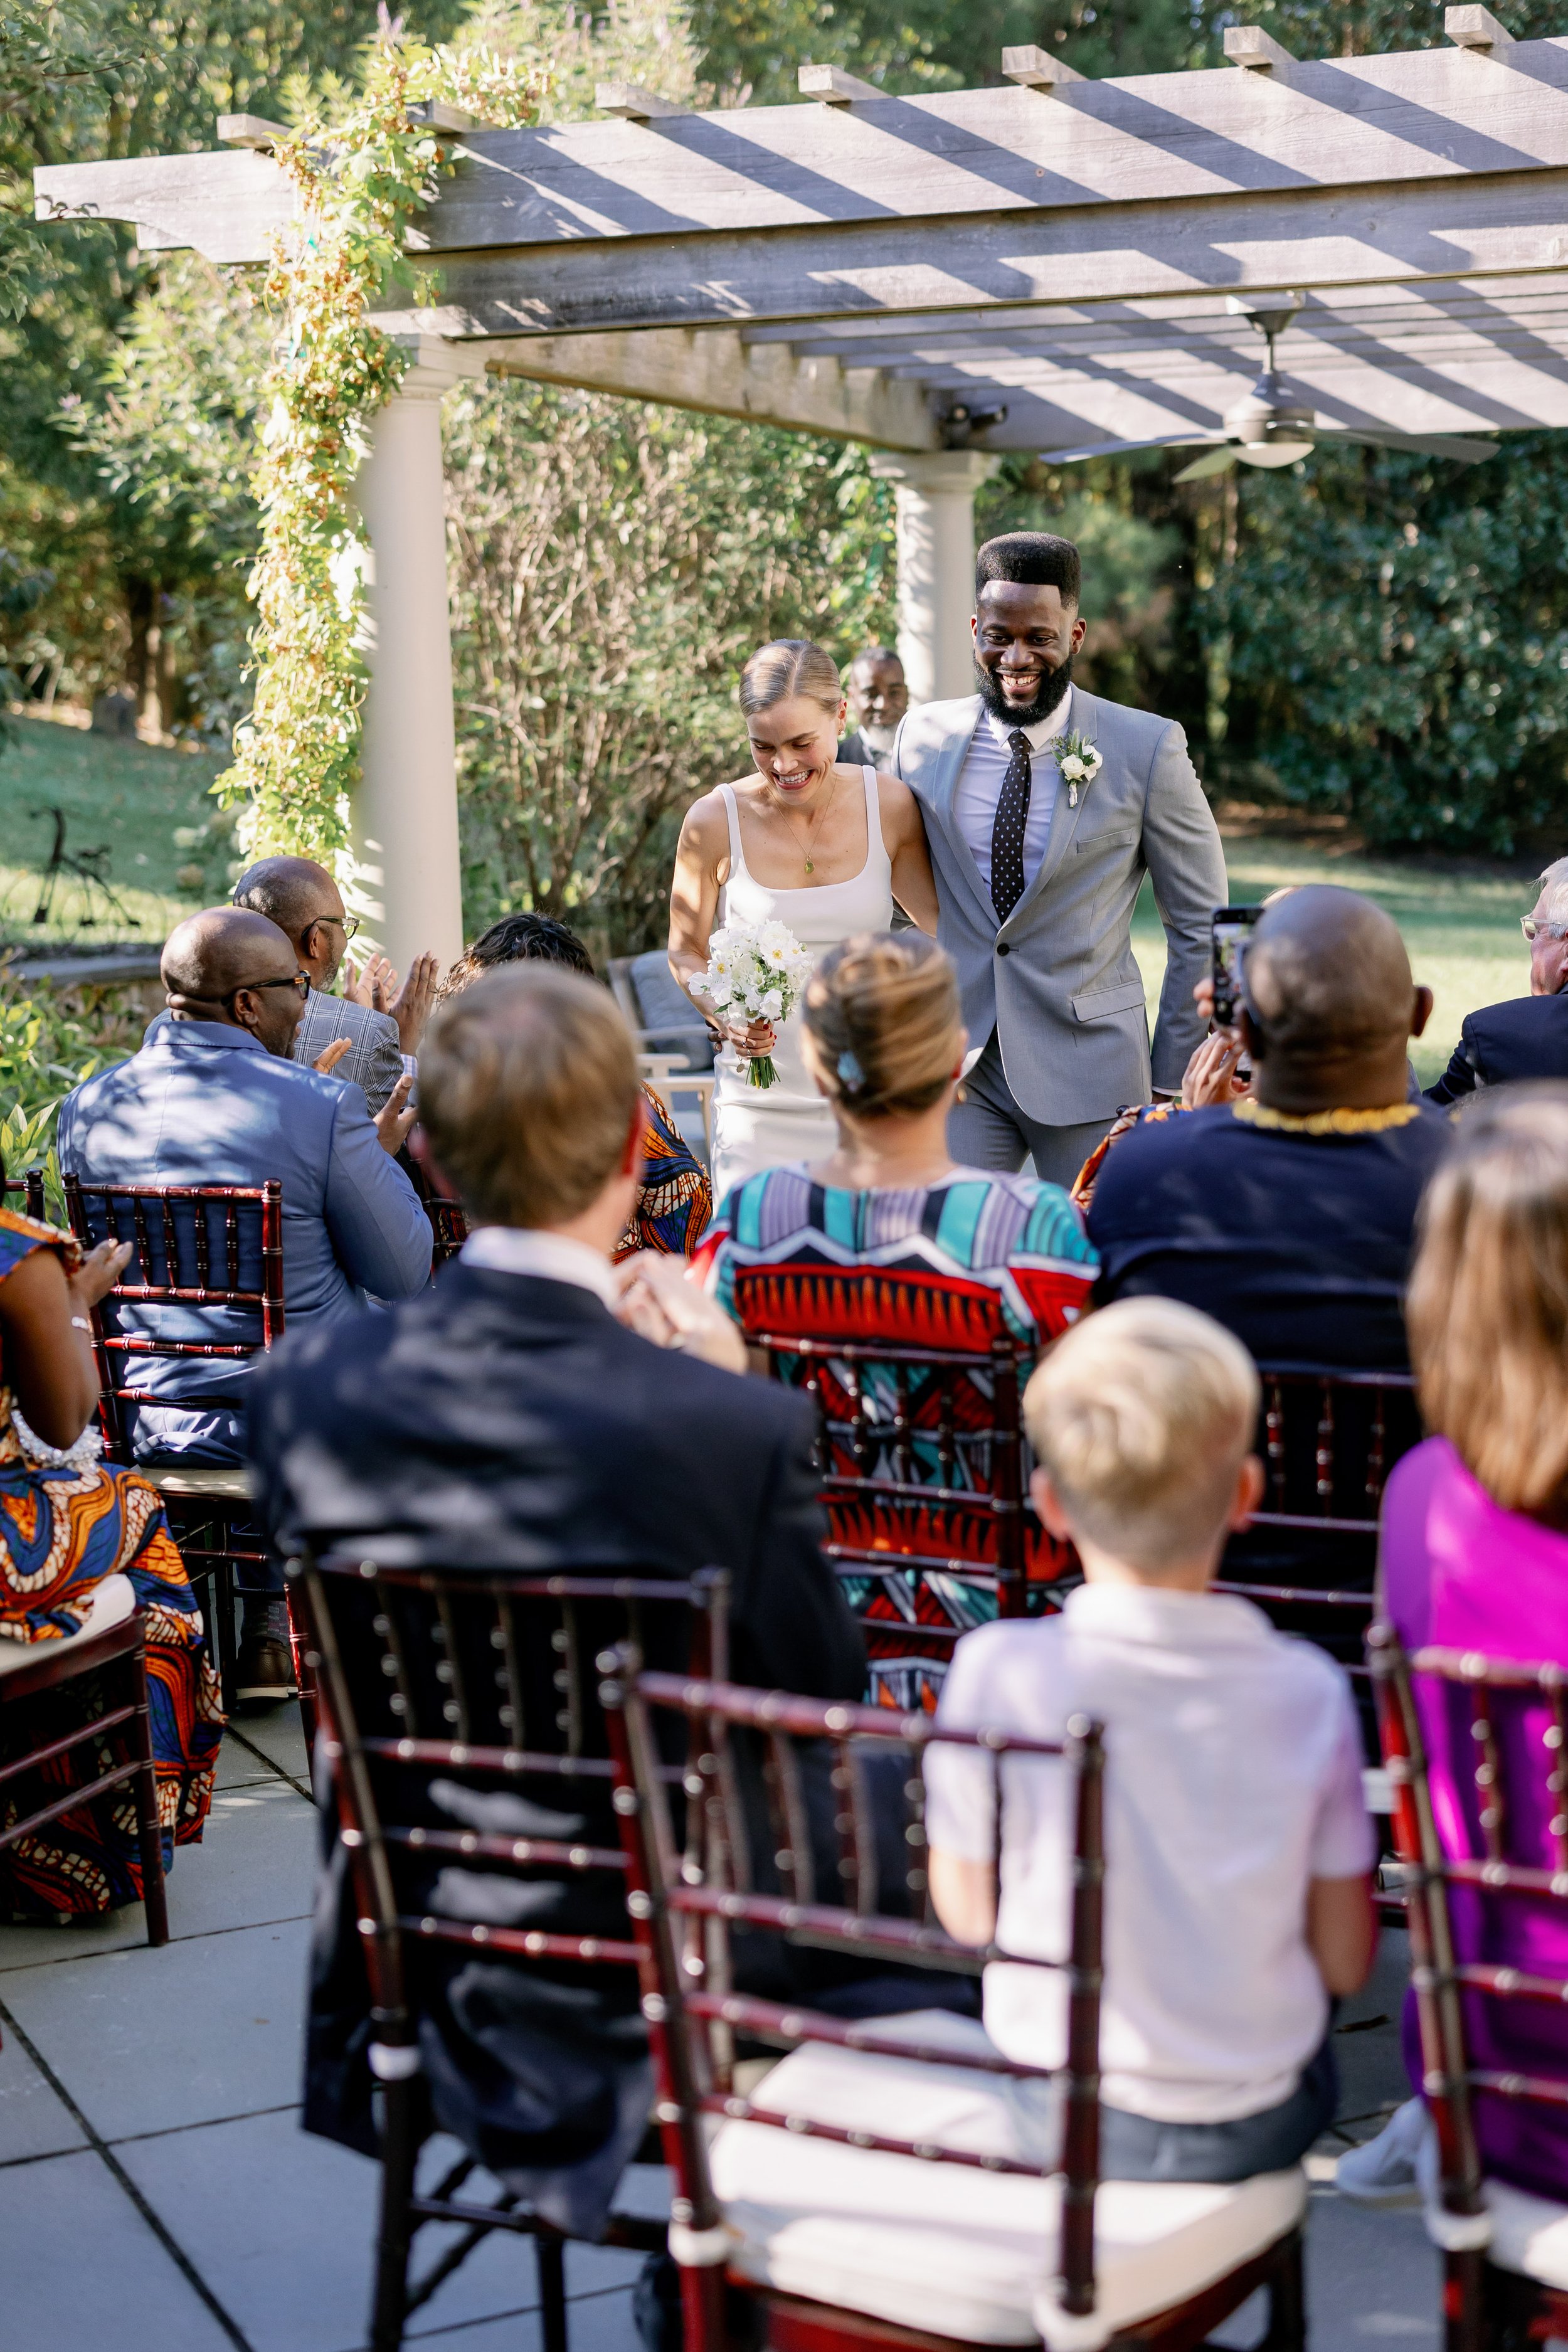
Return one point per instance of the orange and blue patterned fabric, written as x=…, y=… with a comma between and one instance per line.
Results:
x=676, y=1201
x=957, y=1265
x=62, y=1531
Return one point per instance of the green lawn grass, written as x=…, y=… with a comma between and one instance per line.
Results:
x=1461, y=928
x=132, y=798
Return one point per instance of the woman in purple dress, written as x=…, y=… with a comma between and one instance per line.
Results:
x=1475, y=1557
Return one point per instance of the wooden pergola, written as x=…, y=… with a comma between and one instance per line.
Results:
x=1053, y=265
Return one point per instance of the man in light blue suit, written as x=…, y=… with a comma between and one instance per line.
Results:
x=1038, y=872
x=214, y=1099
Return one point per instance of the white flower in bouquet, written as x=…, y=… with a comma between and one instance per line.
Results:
x=760, y=969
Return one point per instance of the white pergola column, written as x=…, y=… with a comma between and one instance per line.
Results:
x=936, y=566
x=409, y=884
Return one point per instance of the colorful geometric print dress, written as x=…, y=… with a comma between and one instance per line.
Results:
x=957, y=1265
x=62, y=1531
x=676, y=1200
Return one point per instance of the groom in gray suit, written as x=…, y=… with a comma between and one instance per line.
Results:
x=1037, y=874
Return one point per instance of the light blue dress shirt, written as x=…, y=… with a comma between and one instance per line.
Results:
x=204, y=1103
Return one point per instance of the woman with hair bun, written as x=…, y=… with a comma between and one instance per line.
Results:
x=823, y=848
x=884, y=1238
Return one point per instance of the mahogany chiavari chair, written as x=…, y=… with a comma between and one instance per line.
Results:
x=31, y=1189
x=103, y=1668
x=865, y=2192
x=1328, y=1440
x=1499, y=1855
x=448, y=1229
x=459, y=1714
x=924, y=1476
x=198, y=1247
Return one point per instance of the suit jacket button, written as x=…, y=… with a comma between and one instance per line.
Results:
x=1001, y=948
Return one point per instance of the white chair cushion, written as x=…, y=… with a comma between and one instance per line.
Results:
x=947, y=2248
x=231, y=1485
x=112, y=1602
x=1530, y=2234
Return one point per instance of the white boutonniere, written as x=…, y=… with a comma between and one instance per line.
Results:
x=1079, y=763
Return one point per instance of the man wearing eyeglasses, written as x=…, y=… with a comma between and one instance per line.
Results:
x=215, y=1098
x=382, y=1023
x=1526, y=1036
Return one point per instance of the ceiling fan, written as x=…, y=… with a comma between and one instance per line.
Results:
x=1269, y=428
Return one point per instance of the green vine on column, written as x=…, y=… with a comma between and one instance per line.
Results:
x=358, y=181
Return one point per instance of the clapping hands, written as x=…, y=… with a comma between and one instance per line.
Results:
x=376, y=984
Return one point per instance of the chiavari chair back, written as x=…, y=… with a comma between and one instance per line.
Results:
x=212, y=1255
x=1486, y=1873
x=462, y=1726
x=894, y=2179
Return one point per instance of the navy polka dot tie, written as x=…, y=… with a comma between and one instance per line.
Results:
x=1007, y=833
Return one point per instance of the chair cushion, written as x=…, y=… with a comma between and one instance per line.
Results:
x=231, y=1485
x=948, y=2248
x=112, y=1602
x=1530, y=2234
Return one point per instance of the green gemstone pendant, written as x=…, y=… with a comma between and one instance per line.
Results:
x=809, y=867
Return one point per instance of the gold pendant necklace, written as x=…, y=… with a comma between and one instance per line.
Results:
x=815, y=829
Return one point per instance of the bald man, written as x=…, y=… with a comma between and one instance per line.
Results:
x=384, y=1029
x=213, y=1097
x=1289, y=1216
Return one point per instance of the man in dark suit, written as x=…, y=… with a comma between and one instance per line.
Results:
x=879, y=695
x=508, y=1417
x=1527, y=1037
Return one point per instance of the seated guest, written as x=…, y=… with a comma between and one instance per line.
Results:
x=507, y=1417
x=1475, y=1557
x=1289, y=1214
x=304, y=902
x=878, y=697
x=1238, y=1898
x=674, y=1199
x=67, y=1523
x=887, y=1239
x=1527, y=1037
x=213, y=1097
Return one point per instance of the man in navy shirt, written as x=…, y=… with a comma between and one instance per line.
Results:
x=1527, y=1037
x=1289, y=1216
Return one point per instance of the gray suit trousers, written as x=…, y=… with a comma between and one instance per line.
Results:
x=988, y=1130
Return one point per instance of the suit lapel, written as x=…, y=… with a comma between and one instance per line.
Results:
x=1083, y=719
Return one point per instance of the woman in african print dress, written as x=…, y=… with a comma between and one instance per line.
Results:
x=676, y=1200
x=888, y=1240
x=69, y=1522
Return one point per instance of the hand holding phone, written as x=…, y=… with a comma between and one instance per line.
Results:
x=1228, y=930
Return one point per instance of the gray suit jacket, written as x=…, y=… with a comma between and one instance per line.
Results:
x=1057, y=981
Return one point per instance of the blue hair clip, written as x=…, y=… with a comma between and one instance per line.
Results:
x=851, y=1076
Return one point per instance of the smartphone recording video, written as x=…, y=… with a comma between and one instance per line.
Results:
x=1228, y=930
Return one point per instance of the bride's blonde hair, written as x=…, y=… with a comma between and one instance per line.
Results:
x=883, y=1028
x=789, y=665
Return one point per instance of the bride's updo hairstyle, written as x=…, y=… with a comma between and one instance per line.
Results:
x=883, y=1029
x=789, y=665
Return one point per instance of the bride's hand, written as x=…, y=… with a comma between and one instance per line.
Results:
x=752, y=1039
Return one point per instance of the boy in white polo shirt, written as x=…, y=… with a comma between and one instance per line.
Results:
x=1239, y=1851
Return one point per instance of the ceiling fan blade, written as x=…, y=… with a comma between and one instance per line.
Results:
x=1426, y=444
x=1122, y=448
x=1213, y=461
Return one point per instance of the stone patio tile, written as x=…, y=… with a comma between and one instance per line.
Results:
x=146, y=2040
x=319, y=2201
x=33, y=2121
x=276, y=1733
x=595, y=2323
x=255, y=1863
x=1373, y=2278
x=83, y=2268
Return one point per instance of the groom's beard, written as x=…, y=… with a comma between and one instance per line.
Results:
x=1054, y=684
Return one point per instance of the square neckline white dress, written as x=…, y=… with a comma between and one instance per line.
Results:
x=756, y=1127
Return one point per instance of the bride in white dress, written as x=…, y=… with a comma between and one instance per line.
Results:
x=824, y=848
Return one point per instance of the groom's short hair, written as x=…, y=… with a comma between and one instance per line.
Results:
x=1037, y=559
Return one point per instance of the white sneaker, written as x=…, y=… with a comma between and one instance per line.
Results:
x=1383, y=2171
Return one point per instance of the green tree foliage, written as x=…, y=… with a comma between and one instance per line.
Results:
x=613, y=564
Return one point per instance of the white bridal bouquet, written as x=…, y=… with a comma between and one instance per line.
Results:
x=760, y=969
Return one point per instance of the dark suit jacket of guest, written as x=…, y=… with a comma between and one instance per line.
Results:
x=508, y=1421
x=505, y=1420
x=1527, y=1037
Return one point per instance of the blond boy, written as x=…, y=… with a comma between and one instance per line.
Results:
x=1239, y=1849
